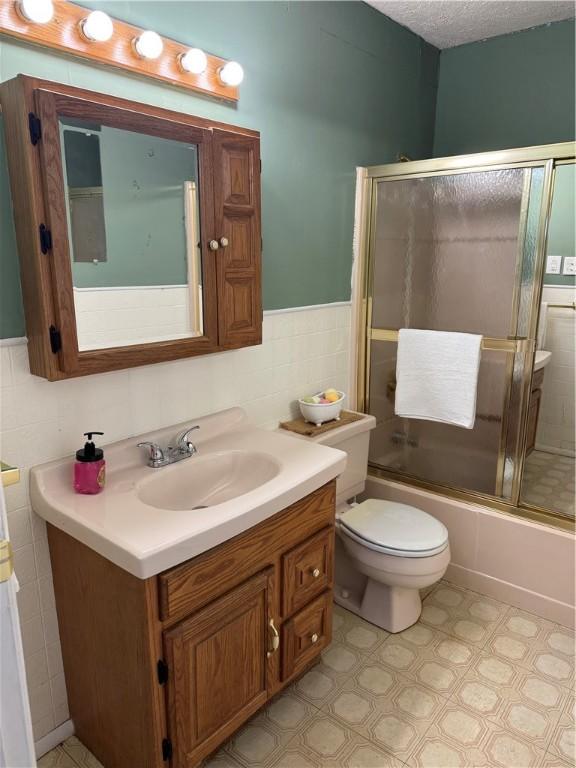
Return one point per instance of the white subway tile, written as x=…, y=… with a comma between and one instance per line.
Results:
x=32, y=635
x=41, y=702
x=20, y=527
x=28, y=599
x=55, y=662
x=6, y=377
x=36, y=669
x=25, y=564
x=42, y=727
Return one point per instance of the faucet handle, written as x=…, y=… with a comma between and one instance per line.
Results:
x=156, y=453
x=182, y=442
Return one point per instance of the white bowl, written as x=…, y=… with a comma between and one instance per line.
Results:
x=318, y=413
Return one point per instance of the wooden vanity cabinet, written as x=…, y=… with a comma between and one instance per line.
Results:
x=162, y=671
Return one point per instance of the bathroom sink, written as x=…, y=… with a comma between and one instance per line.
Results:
x=148, y=520
x=205, y=481
x=541, y=359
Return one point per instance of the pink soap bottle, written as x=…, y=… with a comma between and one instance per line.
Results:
x=90, y=467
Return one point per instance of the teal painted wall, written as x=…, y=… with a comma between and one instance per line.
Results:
x=330, y=85
x=143, y=183
x=562, y=230
x=510, y=91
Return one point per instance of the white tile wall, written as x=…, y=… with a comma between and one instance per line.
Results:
x=556, y=423
x=303, y=351
x=130, y=315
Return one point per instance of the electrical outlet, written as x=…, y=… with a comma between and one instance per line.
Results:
x=569, y=265
x=553, y=264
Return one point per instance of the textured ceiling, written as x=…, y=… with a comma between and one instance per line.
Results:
x=446, y=23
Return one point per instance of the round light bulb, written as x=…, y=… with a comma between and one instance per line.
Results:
x=149, y=45
x=231, y=73
x=37, y=11
x=97, y=27
x=194, y=61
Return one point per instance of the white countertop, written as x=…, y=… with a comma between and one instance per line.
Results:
x=145, y=540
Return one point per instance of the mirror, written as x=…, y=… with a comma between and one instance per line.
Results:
x=133, y=226
x=549, y=469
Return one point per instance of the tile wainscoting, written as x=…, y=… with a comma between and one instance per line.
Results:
x=304, y=350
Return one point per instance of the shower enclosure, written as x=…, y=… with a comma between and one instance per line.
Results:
x=455, y=244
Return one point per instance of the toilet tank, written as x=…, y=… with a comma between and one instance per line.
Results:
x=354, y=438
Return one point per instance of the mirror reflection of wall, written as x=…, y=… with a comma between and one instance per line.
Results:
x=549, y=474
x=134, y=232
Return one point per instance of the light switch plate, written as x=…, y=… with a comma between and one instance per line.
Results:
x=569, y=265
x=553, y=264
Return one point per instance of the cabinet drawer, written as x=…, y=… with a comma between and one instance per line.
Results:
x=305, y=635
x=195, y=583
x=307, y=570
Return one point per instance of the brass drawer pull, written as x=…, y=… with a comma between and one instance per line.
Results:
x=275, y=638
x=316, y=572
x=314, y=638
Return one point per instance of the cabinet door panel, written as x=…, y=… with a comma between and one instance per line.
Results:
x=237, y=218
x=306, y=634
x=218, y=668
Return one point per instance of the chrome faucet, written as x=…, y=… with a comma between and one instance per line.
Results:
x=159, y=457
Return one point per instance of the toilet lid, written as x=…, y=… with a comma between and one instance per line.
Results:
x=395, y=529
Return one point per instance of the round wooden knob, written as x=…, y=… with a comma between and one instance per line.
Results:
x=316, y=572
x=314, y=638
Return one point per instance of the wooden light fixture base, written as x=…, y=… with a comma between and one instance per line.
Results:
x=63, y=34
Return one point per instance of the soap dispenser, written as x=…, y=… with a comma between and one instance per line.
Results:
x=90, y=467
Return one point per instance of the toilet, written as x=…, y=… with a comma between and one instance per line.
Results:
x=386, y=552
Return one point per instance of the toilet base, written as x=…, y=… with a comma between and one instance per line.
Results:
x=391, y=608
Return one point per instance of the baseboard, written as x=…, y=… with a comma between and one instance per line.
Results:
x=55, y=737
x=533, y=602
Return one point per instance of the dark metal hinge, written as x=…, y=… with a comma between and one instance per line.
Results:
x=166, y=749
x=35, y=128
x=55, y=339
x=162, y=668
x=45, y=238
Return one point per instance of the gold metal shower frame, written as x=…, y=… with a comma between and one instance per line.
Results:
x=547, y=157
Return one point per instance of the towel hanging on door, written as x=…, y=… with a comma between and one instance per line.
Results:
x=437, y=376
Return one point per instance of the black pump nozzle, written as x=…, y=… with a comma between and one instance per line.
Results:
x=90, y=452
x=89, y=434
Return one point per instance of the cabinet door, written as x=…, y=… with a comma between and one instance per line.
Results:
x=237, y=219
x=218, y=668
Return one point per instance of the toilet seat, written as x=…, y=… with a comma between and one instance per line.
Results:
x=394, y=529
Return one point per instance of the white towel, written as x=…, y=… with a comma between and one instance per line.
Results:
x=437, y=376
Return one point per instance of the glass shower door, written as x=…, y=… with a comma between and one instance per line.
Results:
x=455, y=251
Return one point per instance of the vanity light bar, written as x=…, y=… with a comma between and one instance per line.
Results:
x=72, y=29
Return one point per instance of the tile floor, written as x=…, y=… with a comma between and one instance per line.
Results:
x=549, y=481
x=474, y=683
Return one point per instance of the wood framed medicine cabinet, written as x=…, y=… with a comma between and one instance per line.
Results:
x=204, y=297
